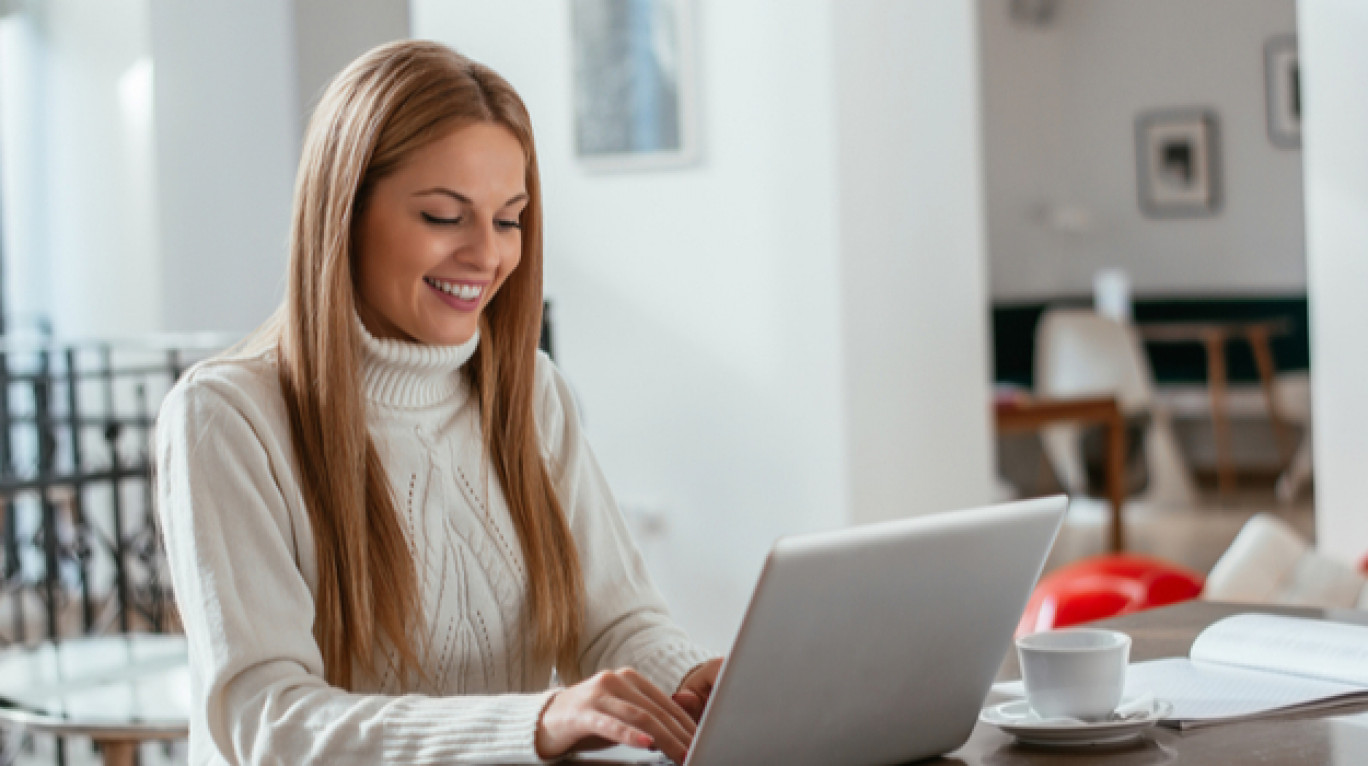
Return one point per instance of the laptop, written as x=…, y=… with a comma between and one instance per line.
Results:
x=876, y=644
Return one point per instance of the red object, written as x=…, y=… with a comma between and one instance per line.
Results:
x=1106, y=586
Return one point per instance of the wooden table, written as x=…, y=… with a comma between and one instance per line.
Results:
x=1213, y=337
x=1030, y=414
x=1333, y=740
x=1169, y=632
x=118, y=690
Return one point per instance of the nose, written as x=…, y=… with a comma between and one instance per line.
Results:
x=481, y=250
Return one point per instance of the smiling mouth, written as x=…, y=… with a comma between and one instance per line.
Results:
x=455, y=289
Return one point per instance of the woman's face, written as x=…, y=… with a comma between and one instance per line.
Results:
x=438, y=236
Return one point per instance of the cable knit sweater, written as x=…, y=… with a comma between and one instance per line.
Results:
x=244, y=570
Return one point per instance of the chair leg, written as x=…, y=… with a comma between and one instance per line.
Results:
x=1116, y=479
x=1216, y=381
x=1297, y=474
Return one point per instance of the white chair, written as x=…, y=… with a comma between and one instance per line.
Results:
x=1269, y=563
x=1080, y=353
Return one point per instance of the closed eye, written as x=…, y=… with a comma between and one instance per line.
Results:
x=441, y=221
x=509, y=224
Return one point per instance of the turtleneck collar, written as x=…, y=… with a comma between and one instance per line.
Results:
x=404, y=374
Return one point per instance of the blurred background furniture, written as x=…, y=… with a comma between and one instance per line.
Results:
x=1269, y=563
x=1030, y=414
x=80, y=555
x=1101, y=587
x=1294, y=404
x=118, y=690
x=1079, y=353
x=1180, y=371
x=1214, y=336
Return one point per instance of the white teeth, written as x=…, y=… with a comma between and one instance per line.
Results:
x=464, y=292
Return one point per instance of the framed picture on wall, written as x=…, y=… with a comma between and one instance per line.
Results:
x=1282, y=74
x=634, y=89
x=1177, y=163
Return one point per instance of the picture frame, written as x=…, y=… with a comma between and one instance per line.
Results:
x=635, y=89
x=1282, y=77
x=1178, y=163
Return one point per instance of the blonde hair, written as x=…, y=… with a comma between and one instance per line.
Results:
x=374, y=115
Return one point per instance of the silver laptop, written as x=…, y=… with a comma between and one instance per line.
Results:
x=876, y=644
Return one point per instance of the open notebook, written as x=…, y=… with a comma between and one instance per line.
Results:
x=1255, y=665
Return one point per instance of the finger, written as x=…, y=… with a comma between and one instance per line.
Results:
x=705, y=694
x=672, y=719
x=614, y=729
x=703, y=680
x=667, y=740
x=692, y=704
x=650, y=694
x=668, y=702
x=708, y=679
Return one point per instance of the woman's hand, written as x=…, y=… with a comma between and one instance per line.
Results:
x=696, y=688
x=614, y=707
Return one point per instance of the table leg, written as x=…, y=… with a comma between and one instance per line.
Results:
x=1116, y=478
x=118, y=752
x=1216, y=381
x=1263, y=358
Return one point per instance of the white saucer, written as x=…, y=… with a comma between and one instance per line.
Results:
x=1017, y=718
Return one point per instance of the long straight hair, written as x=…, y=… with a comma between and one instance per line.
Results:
x=386, y=105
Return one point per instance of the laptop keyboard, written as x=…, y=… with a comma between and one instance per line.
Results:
x=622, y=756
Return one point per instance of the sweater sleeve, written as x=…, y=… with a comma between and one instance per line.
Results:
x=257, y=684
x=626, y=621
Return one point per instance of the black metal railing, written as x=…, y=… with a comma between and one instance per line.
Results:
x=80, y=552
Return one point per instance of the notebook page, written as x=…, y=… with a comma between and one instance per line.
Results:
x=1205, y=691
x=1313, y=648
x=1200, y=690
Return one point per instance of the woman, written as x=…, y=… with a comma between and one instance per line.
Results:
x=385, y=527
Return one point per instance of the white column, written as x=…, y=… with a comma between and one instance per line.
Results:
x=77, y=147
x=227, y=142
x=329, y=34
x=1334, y=70
x=912, y=257
x=235, y=84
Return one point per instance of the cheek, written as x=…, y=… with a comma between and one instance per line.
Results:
x=393, y=259
x=368, y=271
x=508, y=261
x=512, y=258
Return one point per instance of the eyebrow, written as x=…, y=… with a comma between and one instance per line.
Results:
x=519, y=197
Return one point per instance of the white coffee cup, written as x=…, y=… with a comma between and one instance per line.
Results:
x=1074, y=673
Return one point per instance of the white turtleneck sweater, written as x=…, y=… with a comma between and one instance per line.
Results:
x=244, y=569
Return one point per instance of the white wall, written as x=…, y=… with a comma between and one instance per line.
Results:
x=23, y=172
x=913, y=258
x=1099, y=65
x=695, y=309
x=80, y=194
x=1022, y=77
x=228, y=129
x=236, y=81
x=705, y=315
x=330, y=33
x=1334, y=70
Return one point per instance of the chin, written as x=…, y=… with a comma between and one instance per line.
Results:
x=449, y=336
